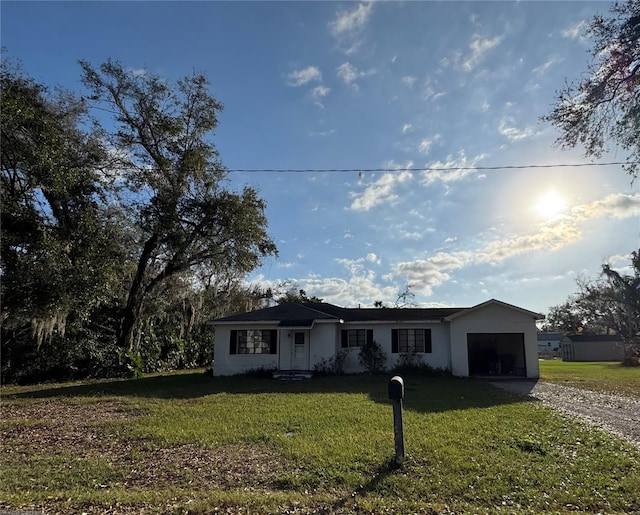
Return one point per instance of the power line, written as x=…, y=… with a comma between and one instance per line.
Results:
x=390, y=170
x=425, y=169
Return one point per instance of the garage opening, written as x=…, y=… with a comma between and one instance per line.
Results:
x=496, y=354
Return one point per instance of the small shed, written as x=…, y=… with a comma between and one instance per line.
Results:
x=549, y=344
x=592, y=347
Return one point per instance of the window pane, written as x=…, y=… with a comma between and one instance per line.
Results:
x=254, y=341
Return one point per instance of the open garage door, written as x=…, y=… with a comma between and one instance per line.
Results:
x=496, y=354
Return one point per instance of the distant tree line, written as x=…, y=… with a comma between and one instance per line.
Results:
x=609, y=304
x=120, y=237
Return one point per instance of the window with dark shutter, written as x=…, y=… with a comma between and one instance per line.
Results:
x=253, y=341
x=410, y=341
x=233, y=342
x=355, y=337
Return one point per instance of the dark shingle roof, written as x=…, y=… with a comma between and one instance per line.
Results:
x=296, y=314
x=291, y=312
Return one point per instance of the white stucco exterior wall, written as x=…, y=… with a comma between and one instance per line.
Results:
x=440, y=357
x=323, y=343
x=493, y=318
x=225, y=364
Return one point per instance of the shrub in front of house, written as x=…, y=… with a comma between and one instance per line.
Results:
x=333, y=365
x=372, y=358
x=411, y=363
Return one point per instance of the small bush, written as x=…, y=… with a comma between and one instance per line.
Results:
x=411, y=363
x=260, y=372
x=372, y=358
x=333, y=365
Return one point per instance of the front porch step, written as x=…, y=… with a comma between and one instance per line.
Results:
x=292, y=375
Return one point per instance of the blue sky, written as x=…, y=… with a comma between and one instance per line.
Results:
x=391, y=85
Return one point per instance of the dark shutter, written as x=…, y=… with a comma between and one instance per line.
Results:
x=273, y=341
x=233, y=342
x=345, y=338
x=369, y=336
x=394, y=341
x=427, y=340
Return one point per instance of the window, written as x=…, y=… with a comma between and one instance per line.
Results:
x=254, y=341
x=410, y=340
x=356, y=337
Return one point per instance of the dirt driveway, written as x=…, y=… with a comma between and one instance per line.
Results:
x=615, y=413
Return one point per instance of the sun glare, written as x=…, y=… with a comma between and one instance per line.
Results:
x=550, y=204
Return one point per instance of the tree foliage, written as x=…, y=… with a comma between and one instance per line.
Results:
x=60, y=242
x=604, y=107
x=290, y=291
x=610, y=304
x=120, y=239
x=184, y=216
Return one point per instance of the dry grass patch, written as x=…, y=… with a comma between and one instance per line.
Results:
x=82, y=430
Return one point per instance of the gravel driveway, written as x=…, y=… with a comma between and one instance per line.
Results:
x=615, y=413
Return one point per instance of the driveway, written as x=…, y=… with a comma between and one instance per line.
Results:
x=615, y=413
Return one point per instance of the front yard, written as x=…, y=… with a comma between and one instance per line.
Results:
x=600, y=376
x=191, y=443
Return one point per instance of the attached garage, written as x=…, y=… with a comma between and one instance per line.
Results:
x=496, y=354
x=494, y=339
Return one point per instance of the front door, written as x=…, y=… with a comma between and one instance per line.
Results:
x=300, y=350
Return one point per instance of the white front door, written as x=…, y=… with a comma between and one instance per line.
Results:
x=300, y=350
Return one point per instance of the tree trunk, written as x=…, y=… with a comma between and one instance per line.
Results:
x=131, y=315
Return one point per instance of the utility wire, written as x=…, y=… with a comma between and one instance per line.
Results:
x=391, y=170
x=426, y=169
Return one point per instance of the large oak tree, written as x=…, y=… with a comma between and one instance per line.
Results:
x=172, y=178
x=603, y=108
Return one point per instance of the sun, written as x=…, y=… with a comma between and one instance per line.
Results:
x=550, y=204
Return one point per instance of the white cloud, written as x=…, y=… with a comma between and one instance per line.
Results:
x=349, y=74
x=347, y=27
x=431, y=88
x=426, y=143
x=409, y=81
x=319, y=92
x=550, y=237
x=546, y=65
x=380, y=191
x=575, y=31
x=453, y=169
x=322, y=134
x=425, y=146
x=512, y=133
x=617, y=205
x=425, y=274
x=407, y=127
x=479, y=47
x=304, y=76
x=406, y=235
x=373, y=258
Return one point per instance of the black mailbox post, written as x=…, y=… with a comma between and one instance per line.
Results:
x=396, y=394
x=396, y=388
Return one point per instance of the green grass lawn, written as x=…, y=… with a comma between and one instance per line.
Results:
x=602, y=376
x=188, y=443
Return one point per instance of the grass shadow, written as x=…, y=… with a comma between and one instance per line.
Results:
x=422, y=393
